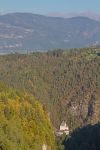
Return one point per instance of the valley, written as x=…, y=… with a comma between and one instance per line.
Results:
x=65, y=82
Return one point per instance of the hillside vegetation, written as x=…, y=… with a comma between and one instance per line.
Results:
x=24, y=124
x=66, y=82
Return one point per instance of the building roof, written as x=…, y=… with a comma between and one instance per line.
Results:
x=63, y=123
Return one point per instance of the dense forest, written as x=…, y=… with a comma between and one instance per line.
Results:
x=66, y=82
x=24, y=124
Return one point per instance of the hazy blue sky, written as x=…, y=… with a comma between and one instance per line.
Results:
x=49, y=6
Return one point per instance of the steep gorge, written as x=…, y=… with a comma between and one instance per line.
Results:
x=66, y=82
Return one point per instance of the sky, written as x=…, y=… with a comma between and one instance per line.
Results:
x=50, y=6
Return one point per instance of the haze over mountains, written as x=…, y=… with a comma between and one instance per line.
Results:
x=22, y=32
x=88, y=14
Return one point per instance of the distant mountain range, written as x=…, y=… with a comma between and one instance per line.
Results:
x=90, y=15
x=22, y=32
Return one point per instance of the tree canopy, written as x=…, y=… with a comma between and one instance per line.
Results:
x=24, y=124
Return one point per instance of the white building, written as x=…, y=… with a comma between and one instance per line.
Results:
x=64, y=128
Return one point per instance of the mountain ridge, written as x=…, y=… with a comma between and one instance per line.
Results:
x=88, y=14
x=20, y=32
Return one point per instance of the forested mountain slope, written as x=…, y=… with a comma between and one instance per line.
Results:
x=24, y=124
x=66, y=82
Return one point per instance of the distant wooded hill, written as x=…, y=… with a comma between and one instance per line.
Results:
x=22, y=32
x=66, y=82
